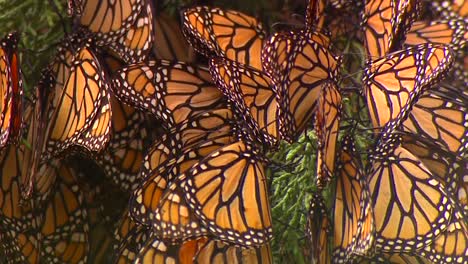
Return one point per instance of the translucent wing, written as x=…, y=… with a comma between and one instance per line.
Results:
x=14, y=215
x=201, y=128
x=146, y=199
x=451, y=246
x=122, y=160
x=174, y=219
x=74, y=106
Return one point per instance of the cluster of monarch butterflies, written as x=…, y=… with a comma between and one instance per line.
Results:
x=130, y=150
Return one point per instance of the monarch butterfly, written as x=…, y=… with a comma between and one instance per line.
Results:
x=169, y=40
x=146, y=199
x=318, y=230
x=225, y=33
x=174, y=221
x=353, y=216
x=299, y=63
x=216, y=251
x=129, y=32
x=11, y=91
x=77, y=71
x=202, y=250
x=400, y=183
x=396, y=258
x=172, y=91
x=136, y=43
x=94, y=15
x=440, y=115
x=460, y=187
x=103, y=206
x=437, y=160
x=74, y=106
x=327, y=122
x=56, y=216
x=192, y=132
x=449, y=168
x=314, y=16
x=157, y=251
x=14, y=215
x=393, y=83
x=130, y=238
x=459, y=75
x=100, y=244
x=384, y=23
x=19, y=247
x=228, y=193
x=64, y=229
x=123, y=157
x=449, y=32
x=253, y=96
x=451, y=246
x=451, y=8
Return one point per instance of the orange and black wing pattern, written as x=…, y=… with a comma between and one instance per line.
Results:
x=440, y=115
x=11, y=91
x=164, y=166
x=228, y=193
x=170, y=43
x=171, y=91
x=451, y=246
x=399, y=182
x=451, y=32
x=122, y=159
x=253, y=98
x=318, y=230
x=393, y=83
x=218, y=252
x=353, y=217
x=64, y=229
x=385, y=23
x=225, y=33
x=77, y=102
x=300, y=63
x=327, y=124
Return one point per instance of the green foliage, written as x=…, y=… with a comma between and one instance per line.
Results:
x=39, y=27
x=293, y=180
